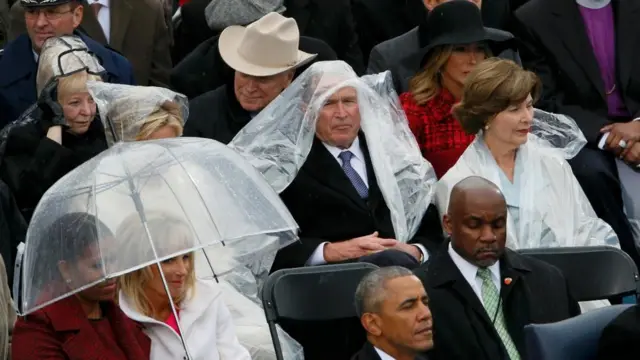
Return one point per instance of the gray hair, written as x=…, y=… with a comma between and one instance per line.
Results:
x=371, y=290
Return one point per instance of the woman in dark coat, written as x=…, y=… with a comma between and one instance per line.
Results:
x=58, y=133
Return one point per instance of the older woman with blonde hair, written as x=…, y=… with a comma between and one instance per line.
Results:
x=458, y=42
x=524, y=152
x=180, y=313
x=58, y=133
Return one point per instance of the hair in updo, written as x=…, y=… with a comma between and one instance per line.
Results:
x=492, y=87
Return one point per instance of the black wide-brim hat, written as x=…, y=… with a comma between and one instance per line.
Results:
x=43, y=3
x=456, y=22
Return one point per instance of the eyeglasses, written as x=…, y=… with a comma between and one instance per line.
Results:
x=49, y=14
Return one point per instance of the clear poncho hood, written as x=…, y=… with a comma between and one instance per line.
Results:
x=278, y=140
x=124, y=109
x=64, y=56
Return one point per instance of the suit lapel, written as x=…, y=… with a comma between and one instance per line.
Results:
x=445, y=273
x=120, y=16
x=515, y=307
x=326, y=169
x=572, y=31
x=67, y=315
x=91, y=26
x=375, y=196
x=628, y=13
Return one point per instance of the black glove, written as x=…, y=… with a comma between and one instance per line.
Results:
x=52, y=113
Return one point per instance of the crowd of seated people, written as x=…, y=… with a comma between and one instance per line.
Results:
x=481, y=127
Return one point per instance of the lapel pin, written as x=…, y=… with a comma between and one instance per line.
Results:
x=507, y=281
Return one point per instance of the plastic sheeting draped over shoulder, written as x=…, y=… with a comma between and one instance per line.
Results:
x=125, y=109
x=279, y=139
x=547, y=207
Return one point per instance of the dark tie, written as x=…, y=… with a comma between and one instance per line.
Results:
x=356, y=180
x=96, y=8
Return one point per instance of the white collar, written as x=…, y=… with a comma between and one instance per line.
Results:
x=354, y=148
x=470, y=271
x=593, y=4
x=104, y=3
x=36, y=56
x=195, y=305
x=383, y=355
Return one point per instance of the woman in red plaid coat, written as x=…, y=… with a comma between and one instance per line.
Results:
x=458, y=42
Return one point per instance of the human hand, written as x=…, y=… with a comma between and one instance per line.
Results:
x=409, y=249
x=627, y=133
x=51, y=109
x=631, y=155
x=355, y=248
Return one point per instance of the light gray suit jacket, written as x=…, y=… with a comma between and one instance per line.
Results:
x=393, y=55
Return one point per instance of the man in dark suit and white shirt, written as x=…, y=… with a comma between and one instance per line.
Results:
x=342, y=160
x=481, y=294
x=393, y=309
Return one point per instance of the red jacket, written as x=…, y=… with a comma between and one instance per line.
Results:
x=440, y=136
x=61, y=331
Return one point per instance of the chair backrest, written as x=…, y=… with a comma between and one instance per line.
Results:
x=572, y=339
x=315, y=293
x=593, y=273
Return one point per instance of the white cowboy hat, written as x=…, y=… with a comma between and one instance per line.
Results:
x=266, y=47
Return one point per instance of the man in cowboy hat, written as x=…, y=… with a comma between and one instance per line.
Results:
x=398, y=54
x=18, y=62
x=264, y=57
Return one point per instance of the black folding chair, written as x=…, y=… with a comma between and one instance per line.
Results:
x=593, y=273
x=317, y=293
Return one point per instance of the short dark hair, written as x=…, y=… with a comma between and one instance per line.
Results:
x=66, y=237
x=371, y=291
x=493, y=86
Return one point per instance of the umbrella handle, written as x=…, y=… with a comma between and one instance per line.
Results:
x=17, y=279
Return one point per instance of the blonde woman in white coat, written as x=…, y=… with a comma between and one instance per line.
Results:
x=204, y=320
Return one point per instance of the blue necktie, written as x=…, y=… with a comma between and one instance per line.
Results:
x=353, y=176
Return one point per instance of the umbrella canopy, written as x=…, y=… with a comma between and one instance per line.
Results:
x=217, y=199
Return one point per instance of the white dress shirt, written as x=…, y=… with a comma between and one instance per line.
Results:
x=383, y=355
x=104, y=17
x=359, y=165
x=470, y=272
x=357, y=161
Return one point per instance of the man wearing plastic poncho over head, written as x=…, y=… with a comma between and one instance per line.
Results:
x=524, y=152
x=338, y=150
x=137, y=113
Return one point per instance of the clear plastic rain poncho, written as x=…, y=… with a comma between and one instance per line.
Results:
x=547, y=207
x=279, y=139
x=227, y=206
x=239, y=268
x=60, y=56
x=126, y=109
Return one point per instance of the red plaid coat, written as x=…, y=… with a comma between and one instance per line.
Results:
x=439, y=135
x=61, y=331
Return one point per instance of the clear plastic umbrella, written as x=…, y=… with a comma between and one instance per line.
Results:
x=224, y=201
